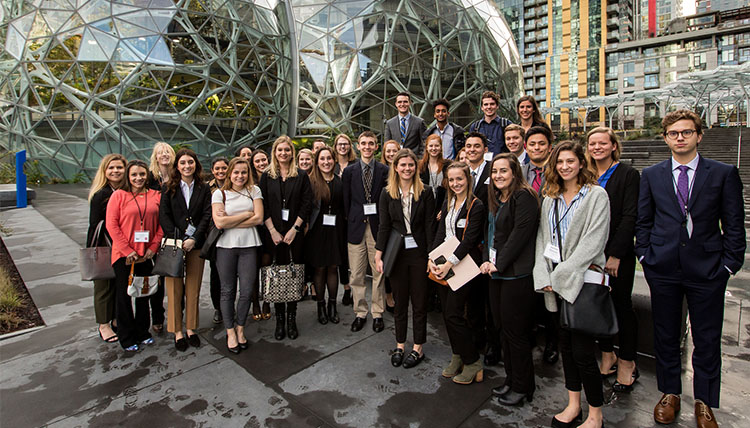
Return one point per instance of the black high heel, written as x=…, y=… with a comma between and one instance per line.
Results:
x=556, y=423
x=513, y=398
x=619, y=387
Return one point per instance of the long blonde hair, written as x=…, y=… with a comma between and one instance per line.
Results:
x=154, y=165
x=394, y=181
x=100, y=179
x=274, y=168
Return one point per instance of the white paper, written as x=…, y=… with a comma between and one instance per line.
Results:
x=371, y=209
x=284, y=214
x=409, y=242
x=552, y=252
x=488, y=156
x=493, y=255
x=141, y=236
x=461, y=223
x=329, y=220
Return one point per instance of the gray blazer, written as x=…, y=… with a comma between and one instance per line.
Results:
x=584, y=245
x=415, y=133
x=525, y=168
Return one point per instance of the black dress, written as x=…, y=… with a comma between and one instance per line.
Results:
x=324, y=245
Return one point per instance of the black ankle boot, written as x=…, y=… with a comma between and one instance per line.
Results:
x=322, y=315
x=332, y=315
x=280, y=332
x=291, y=324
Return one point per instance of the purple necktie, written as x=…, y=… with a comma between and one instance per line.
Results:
x=682, y=187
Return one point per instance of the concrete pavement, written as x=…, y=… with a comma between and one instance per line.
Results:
x=64, y=375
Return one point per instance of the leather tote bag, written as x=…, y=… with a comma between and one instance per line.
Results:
x=282, y=283
x=141, y=281
x=96, y=262
x=170, y=259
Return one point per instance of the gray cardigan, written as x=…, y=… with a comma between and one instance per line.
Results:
x=584, y=245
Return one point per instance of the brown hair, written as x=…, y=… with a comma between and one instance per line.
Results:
x=368, y=134
x=352, y=155
x=175, y=175
x=612, y=138
x=678, y=115
x=490, y=94
x=516, y=128
x=554, y=184
x=256, y=174
x=394, y=181
x=519, y=181
x=424, y=163
x=232, y=165
x=382, y=151
x=126, y=186
x=536, y=117
x=464, y=167
x=321, y=192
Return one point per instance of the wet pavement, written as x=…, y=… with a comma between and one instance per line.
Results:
x=64, y=375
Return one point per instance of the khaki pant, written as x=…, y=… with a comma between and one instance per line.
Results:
x=359, y=256
x=191, y=288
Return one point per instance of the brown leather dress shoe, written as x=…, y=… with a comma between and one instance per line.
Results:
x=704, y=417
x=667, y=408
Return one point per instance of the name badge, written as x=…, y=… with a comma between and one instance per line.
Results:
x=409, y=242
x=488, y=156
x=552, y=252
x=284, y=214
x=190, y=231
x=141, y=236
x=329, y=220
x=493, y=256
x=371, y=209
x=487, y=181
x=461, y=223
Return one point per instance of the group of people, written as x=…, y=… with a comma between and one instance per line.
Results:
x=536, y=218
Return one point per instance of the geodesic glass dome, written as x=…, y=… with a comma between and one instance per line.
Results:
x=82, y=78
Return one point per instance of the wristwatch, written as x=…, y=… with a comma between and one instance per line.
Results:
x=297, y=228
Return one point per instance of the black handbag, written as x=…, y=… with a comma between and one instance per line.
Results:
x=282, y=283
x=392, y=249
x=170, y=259
x=96, y=262
x=593, y=312
x=208, y=250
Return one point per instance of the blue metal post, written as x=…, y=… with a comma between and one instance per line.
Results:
x=20, y=180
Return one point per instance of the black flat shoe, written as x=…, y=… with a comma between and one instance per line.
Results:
x=413, y=359
x=500, y=390
x=194, y=341
x=513, y=398
x=556, y=423
x=358, y=323
x=550, y=355
x=619, y=387
x=397, y=357
x=181, y=344
x=378, y=325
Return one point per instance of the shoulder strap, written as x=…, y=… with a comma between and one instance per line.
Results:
x=466, y=226
x=557, y=229
x=97, y=233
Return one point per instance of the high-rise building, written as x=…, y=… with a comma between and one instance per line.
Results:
x=703, y=6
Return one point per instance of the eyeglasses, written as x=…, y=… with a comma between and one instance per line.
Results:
x=686, y=133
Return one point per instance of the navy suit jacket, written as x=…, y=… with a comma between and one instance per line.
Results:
x=717, y=212
x=354, y=199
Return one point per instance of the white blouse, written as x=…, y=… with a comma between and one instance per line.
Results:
x=236, y=203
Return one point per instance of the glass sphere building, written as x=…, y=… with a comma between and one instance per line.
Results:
x=82, y=78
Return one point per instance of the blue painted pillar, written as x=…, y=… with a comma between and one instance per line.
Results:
x=20, y=180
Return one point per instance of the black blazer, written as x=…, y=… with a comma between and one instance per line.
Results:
x=174, y=213
x=474, y=234
x=97, y=213
x=336, y=204
x=298, y=196
x=422, y=220
x=515, y=235
x=480, y=190
x=622, y=189
x=354, y=199
x=440, y=192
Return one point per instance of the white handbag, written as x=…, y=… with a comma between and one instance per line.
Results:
x=141, y=286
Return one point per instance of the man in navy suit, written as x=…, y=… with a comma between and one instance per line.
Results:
x=690, y=238
x=363, y=182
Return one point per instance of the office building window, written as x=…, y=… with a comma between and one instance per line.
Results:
x=628, y=67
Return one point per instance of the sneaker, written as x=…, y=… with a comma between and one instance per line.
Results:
x=133, y=348
x=149, y=341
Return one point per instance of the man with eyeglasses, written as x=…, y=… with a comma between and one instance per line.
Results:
x=690, y=237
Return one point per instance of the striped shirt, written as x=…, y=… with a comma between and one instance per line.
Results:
x=565, y=214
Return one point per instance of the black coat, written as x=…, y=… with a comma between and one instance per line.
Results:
x=421, y=221
x=474, y=233
x=440, y=191
x=174, y=213
x=296, y=192
x=515, y=235
x=97, y=213
x=354, y=199
x=480, y=190
x=622, y=189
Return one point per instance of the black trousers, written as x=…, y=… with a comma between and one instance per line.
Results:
x=549, y=320
x=156, y=301
x=705, y=300
x=130, y=329
x=409, y=282
x=512, y=303
x=459, y=332
x=215, y=285
x=580, y=366
x=622, y=291
x=485, y=333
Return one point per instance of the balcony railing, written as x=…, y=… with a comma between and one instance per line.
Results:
x=650, y=85
x=651, y=69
